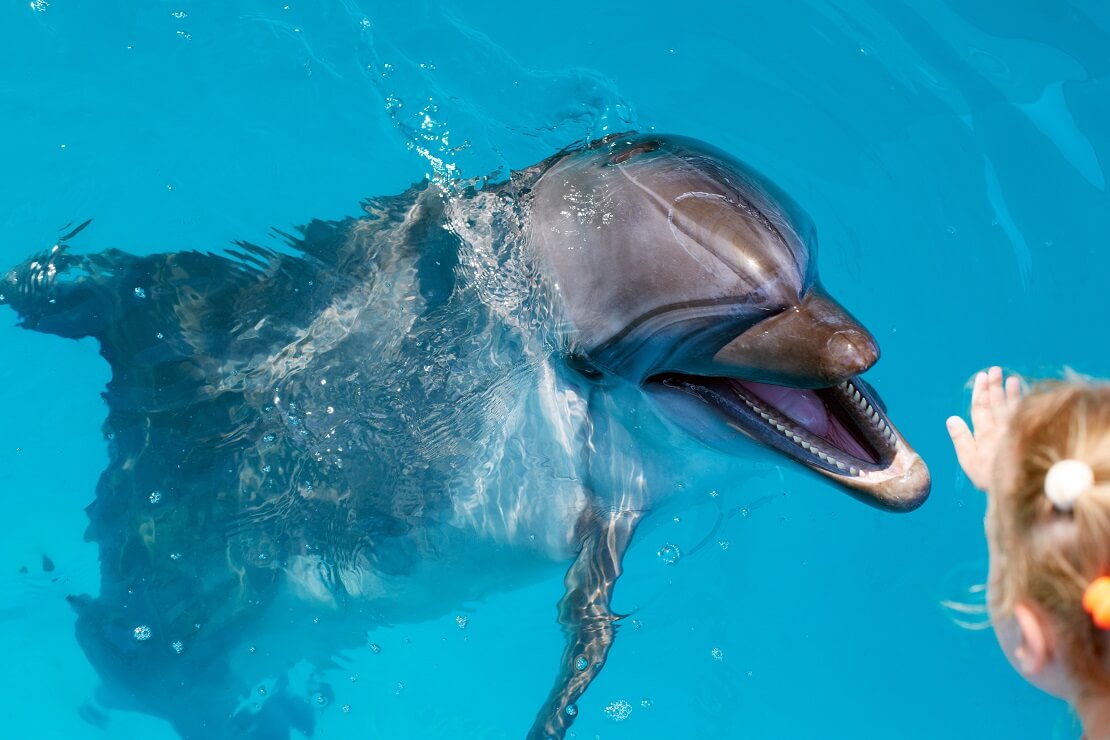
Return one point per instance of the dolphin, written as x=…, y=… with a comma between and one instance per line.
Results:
x=446, y=396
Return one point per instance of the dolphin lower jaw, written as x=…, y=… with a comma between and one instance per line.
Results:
x=838, y=431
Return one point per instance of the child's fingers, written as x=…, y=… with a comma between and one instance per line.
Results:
x=994, y=388
x=963, y=441
x=1013, y=391
x=981, y=415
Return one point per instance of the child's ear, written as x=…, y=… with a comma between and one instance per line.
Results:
x=1035, y=650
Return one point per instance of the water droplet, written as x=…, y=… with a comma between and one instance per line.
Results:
x=670, y=554
x=375, y=648
x=580, y=663
x=140, y=293
x=618, y=711
x=155, y=496
x=141, y=633
x=717, y=654
x=178, y=646
x=462, y=621
x=571, y=710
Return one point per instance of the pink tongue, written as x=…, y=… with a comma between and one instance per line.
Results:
x=805, y=408
x=802, y=406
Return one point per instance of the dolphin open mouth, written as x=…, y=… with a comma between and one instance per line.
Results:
x=840, y=431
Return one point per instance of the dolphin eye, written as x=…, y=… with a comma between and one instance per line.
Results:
x=643, y=146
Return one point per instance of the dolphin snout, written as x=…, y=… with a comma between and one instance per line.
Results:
x=814, y=344
x=848, y=353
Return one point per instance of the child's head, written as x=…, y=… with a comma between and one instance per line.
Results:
x=1046, y=555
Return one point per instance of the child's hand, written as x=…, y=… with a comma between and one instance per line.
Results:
x=991, y=406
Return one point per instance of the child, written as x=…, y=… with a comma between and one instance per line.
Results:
x=1044, y=461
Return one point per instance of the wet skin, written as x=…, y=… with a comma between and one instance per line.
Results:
x=459, y=339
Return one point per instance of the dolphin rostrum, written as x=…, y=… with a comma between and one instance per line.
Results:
x=359, y=426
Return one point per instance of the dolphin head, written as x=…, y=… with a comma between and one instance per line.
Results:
x=682, y=269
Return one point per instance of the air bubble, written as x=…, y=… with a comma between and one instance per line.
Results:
x=178, y=646
x=646, y=703
x=155, y=496
x=320, y=700
x=461, y=621
x=140, y=293
x=723, y=544
x=571, y=710
x=580, y=663
x=670, y=554
x=375, y=648
x=618, y=711
x=141, y=633
x=717, y=654
x=346, y=709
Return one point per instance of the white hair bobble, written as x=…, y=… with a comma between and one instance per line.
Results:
x=1066, y=481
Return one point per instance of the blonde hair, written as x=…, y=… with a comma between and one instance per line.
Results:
x=1046, y=556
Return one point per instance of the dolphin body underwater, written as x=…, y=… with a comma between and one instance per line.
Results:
x=438, y=400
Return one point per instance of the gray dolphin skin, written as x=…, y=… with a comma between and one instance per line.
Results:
x=446, y=397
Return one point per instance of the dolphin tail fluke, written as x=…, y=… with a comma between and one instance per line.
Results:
x=586, y=617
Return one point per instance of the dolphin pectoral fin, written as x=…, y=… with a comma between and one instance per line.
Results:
x=586, y=617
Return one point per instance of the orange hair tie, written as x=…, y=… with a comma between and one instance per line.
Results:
x=1096, y=601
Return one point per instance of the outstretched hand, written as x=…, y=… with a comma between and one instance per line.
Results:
x=992, y=403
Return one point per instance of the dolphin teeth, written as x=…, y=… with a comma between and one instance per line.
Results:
x=841, y=465
x=855, y=395
x=853, y=471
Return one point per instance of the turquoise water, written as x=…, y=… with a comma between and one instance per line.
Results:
x=950, y=155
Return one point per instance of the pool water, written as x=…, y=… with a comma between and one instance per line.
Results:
x=949, y=153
